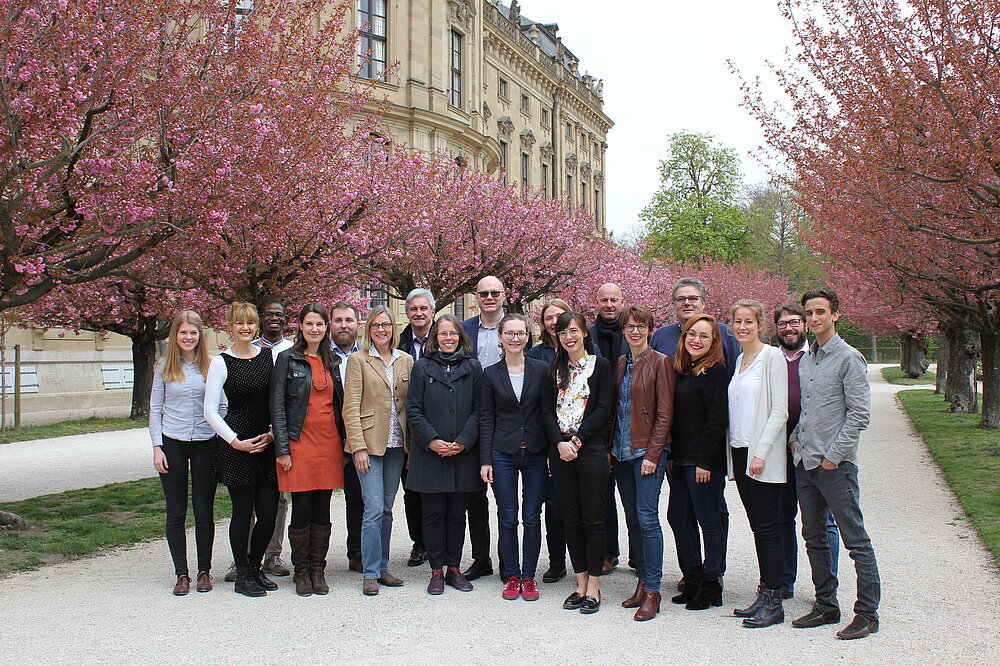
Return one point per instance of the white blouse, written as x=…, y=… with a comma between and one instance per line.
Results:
x=743, y=391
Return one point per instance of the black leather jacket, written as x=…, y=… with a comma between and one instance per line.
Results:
x=291, y=384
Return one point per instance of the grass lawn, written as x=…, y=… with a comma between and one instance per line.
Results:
x=968, y=455
x=79, y=523
x=894, y=375
x=79, y=427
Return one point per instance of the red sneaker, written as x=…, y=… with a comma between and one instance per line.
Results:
x=513, y=589
x=529, y=591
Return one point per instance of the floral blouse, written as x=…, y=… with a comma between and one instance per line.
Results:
x=572, y=400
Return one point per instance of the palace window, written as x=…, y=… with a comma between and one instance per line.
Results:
x=377, y=293
x=569, y=193
x=372, y=38
x=456, y=69
x=503, y=161
x=502, y=87
x=545, y=179
x=525, y=104
x=545, y=117
x=525, y=168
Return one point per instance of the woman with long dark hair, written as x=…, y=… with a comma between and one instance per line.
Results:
x=577, y=406
x=182, y=440
x=309, y=433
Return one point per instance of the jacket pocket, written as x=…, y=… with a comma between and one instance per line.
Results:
x=368, y=421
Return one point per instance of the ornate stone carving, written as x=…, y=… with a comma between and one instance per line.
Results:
x=546, y=152
x=487, y=113
x=527, y=140
x=585, y=171
x=462, y=12
x=514, y=15
x=571, y=162
x=505, y=127
x=599, y=180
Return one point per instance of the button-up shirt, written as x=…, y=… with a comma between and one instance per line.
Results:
x=488, y=345
x=621, y=444
x=343, y=359
x=177, y=408
x=395, y=431
x=836, y=404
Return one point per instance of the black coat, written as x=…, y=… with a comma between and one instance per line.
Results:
x=504, y=422
x=406, y=340
x=291, y=384
x=444, y=406
x=594, y=428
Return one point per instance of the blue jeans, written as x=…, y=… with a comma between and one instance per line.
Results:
x=641, y=498
x=788, y=508
x=693, y=505
x=378, y=487
x=534, y=476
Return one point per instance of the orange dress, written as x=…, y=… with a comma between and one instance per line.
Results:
x=318, y=455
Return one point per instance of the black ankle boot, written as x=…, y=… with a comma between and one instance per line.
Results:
x=246, y=585
x=709, y=594
x=692, y=579
x=752, y=609
x=258, y=577
x=770, y=613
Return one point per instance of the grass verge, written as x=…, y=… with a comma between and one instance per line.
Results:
x=968, y=455
x=79, y=427
x=81, y=523
x=894, y=375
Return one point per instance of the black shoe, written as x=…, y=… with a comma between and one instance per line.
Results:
x=787, y=594
x=246, y=585
x=458, y=580
x=859, y=627
x=417, y=556
x=817, y=618
x=769, y=613
x=258, y=577
x=689, y=584
x=479, y=569
x=590, y=605
x=231, y=574
x=573, y=601
x=709, y=594
x=752, y=609
x=554, y=574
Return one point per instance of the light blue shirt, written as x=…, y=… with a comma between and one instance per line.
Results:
x=621, y=443
x=177, y=409
x=343, y=359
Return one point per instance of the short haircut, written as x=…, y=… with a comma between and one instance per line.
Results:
x=789, y=308
x=344, y=305
x=272, y=301
x=758, y=312
x=242, y=311
x=637, y=313
x=463, y=338
x=690, y=282
x=421, y=293
x=828, y=294
x=393, y=333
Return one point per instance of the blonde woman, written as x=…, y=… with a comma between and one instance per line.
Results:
x=183, y=440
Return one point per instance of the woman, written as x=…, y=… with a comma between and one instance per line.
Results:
x=245, y=456
x=548, y=316
x=442, y=410
x=511, y=442
x=377, y=381
x=644, y=401
x=578, y=404
x=696, y=466
x=758, y=410
x=306, y=401
x=183, y=439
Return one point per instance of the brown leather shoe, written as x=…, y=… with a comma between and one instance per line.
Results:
x=389, y=580
x=370, y=587
x=859, y=627
x=649, y=608
x=817, y=618
x=354, y=564
x=636, y=599
x=609, y=565
x=204, y=583
x=183, y=585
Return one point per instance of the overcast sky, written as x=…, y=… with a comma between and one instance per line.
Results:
x=664, y=68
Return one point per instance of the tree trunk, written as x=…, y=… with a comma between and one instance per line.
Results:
x=944, y=348
x=913, y=356
x=961, y=385
x=991, y=380
x=143, y=358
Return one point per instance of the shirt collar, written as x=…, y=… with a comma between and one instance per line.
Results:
x=830, y=345
x=264, y=343
x=373, y=351
x=340, y=352
x=797, y=354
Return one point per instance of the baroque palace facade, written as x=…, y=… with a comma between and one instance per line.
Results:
x=474, y=78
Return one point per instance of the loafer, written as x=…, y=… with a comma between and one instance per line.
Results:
x=370, y=587
x=182, y=586
x=573, y=601
x=436, y=586
x=457, y=580
x=354, y=564
x=276, y=566
x=589, y=605
x=554, y=574
x=230, y=576
x=389, y=580
x=479, y=569
x=817, y=618
x=417, y=556
x=609, y=565
x=204, y=583
x=859, y=627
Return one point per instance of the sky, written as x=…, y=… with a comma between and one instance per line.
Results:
x=664, y=68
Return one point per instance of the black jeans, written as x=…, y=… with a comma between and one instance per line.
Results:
x=693, y=505
x=311, y=507
x=444, y=527
x=612, y=550
x=555, y=530
x=354, y=507
x=260, y=500
x=200, y=458
x=761, y=501
x=479, y=525
x=582, y=488
x=414, y=513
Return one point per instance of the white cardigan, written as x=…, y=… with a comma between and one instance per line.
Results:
x=768, y=440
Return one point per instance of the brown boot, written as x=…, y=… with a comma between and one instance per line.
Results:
x=636, y=599
x=319, y=545
x=299, y=541
x=650, y=607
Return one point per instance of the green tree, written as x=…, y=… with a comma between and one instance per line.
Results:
x=775, y=241
x=696, y=212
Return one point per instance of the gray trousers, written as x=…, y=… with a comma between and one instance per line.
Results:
x=274, y=548
x=821, y=491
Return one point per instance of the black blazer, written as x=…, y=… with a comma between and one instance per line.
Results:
x=593, y=429
x=291, y=384
x=504, y=422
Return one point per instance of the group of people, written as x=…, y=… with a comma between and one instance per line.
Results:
x=448, y=408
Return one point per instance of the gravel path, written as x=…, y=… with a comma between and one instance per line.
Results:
x=941, y=595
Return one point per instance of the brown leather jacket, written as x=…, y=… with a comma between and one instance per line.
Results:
x=652, y=410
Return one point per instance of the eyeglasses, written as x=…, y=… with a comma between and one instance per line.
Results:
x=700, y=336
x=641, y=328
x=385, y=326
x=515, y=335
x=687, y=299
x=488, y=294
x=791, y=323
x=569, y=332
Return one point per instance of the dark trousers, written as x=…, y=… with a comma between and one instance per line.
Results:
x=555, y=530
x=260, y=500
x=414, y=513
x=788, y=508
x=693, y=505
x=199, y=457
x=822, y=491
x=311, y=507
x=479, y=525
x=533, y=470
x=611, y=549
x=444, y=527
x=640, y=495
x=354, y=507
x=582, y=488
x=761, y=503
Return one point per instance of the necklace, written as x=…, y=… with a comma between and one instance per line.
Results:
x=326, y=378
x=748, y=360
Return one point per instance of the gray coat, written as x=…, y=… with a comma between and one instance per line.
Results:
x=442, y=405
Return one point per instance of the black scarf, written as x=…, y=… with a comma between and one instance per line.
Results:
x=609, y=339
x=449, y=361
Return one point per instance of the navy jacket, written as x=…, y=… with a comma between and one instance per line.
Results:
x=665, y=341
x=504, y=422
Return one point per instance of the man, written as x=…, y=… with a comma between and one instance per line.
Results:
x=273, y=320
x=344, y=333
x=482, y=330
x=836, y=404
x=420, y=309
x=606, y=334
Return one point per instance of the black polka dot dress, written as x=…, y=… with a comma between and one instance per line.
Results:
x=247, y=389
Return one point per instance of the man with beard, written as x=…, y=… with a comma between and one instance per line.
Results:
x=344, y=333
